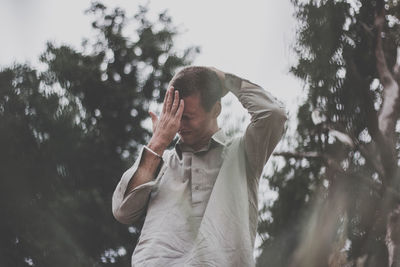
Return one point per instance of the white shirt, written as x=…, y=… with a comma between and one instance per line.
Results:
x=202, y=207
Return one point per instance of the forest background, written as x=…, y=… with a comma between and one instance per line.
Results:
x=72, y=119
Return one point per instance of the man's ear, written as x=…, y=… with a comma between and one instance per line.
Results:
x=217, y=109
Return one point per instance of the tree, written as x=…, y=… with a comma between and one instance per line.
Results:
x=338, y=201
x=68, y=133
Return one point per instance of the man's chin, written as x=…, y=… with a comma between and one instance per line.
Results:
x=186, y=138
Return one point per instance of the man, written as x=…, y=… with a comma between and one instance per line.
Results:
x=199, y=200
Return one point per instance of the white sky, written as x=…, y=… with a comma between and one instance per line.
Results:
x=251, y=39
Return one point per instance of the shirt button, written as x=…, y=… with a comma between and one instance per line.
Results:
x=196, y=187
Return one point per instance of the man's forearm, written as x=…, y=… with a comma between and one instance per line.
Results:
x=147, y=168
x=268, y=116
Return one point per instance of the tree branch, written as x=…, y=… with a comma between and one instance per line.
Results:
x=298, y=155
x=389, y=112
x=396, y=67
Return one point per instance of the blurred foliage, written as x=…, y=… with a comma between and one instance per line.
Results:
x=317, y=200
x=68, y=132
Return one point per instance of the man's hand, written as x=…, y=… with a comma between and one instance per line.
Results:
x=166, y=127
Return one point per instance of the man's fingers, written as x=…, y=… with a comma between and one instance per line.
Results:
x=180, y=109
x=153, y=116
x=169, y=99
x=175, y=103
x=164, y=108
x=165, y=101
x=154, y=120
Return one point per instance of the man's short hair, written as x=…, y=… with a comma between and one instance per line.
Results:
x=191, y=80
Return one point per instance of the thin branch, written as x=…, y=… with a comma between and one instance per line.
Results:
x=367, y=29
x=298, y=155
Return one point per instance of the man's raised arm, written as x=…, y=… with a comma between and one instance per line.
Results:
x=132, y=193
x=268, y=117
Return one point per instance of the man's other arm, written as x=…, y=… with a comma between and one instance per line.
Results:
x=268, y=117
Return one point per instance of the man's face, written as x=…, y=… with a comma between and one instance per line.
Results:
x=196, y=123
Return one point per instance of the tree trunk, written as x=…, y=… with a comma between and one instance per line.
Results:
x=393, y=237
x=388, y=116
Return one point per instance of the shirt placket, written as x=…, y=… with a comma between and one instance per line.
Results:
x=197, y=187
x=187, y=166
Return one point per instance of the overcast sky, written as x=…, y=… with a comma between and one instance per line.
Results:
x=251, y=39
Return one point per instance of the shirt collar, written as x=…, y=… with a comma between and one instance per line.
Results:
x=218, y=138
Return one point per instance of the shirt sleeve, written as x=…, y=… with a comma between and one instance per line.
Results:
x=268, y=117
x=131, y=208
